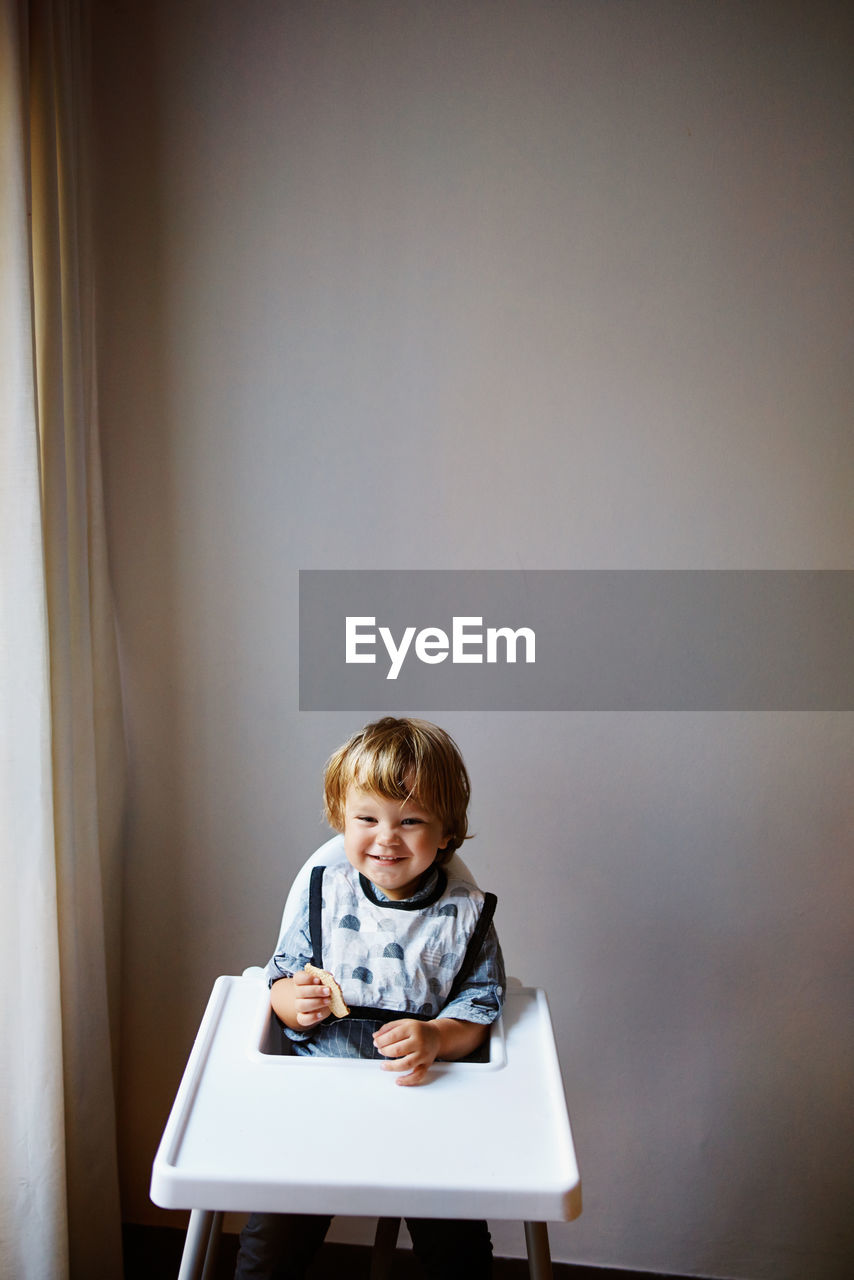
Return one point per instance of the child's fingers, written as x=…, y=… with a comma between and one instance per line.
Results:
x=302, y=979
x=308, y=1017
x=392, y=1030
x=317, y=995
x=410, y=1071
x=395, y=1052
x=308, y=990
x=415, y=1077
x=313, y=1006
x=394, y=1033
x=407, y=1062
x=396, y=1047
x=312, y=1001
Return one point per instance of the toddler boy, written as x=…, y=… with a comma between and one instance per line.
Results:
x=412, y=945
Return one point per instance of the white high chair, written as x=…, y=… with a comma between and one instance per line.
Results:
x=240, y=1110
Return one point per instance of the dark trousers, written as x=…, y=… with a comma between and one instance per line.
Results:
x=280, y=1246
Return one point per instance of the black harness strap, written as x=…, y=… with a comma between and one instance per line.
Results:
x=315, y=915
x=368, y=1013
x=490, y=902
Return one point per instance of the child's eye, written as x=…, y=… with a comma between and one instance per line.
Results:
x=414, y=822
x=364, y=817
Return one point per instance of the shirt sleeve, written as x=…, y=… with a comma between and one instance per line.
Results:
x=293, y=953
x=482, y=994
x=293, y=950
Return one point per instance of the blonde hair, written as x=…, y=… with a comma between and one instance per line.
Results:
x=403, y=760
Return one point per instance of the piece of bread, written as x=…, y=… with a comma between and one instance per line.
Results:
x=336, y=1004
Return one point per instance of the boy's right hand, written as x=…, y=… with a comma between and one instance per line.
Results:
x=311, y=999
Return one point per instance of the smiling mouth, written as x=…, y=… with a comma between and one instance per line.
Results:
x=389, y=862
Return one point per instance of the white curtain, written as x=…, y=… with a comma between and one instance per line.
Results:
x=61, y=749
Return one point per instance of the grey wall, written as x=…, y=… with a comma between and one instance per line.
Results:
x=498, y=285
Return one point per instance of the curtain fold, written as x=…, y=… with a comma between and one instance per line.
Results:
x=61, y=766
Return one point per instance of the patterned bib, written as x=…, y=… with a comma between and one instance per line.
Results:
x=400, y=956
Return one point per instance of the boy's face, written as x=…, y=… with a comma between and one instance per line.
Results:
x=392, y=842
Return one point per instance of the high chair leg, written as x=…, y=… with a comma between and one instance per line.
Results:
x=539, y=1257
x=197, y=1246
x=209, y=1269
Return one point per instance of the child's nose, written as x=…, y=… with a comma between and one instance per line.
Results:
x=386, y=835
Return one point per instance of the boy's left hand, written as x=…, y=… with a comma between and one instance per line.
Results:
x=413, y=1046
